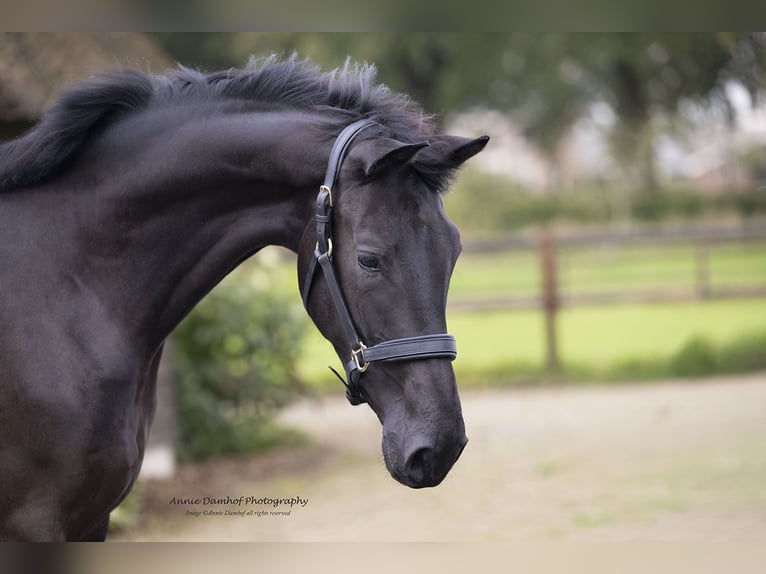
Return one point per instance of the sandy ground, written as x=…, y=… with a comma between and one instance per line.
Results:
x=664, y=461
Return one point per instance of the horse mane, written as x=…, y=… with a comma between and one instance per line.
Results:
x=348, y=93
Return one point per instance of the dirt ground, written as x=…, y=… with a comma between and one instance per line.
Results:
x=674, y=461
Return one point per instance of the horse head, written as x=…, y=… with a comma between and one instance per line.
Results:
x=391, y=253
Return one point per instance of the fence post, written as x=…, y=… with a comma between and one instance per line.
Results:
x=702, y=267
x=550, y=297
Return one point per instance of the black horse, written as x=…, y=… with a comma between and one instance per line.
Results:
x=135, y=195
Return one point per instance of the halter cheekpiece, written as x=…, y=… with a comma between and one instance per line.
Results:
x=360, y=356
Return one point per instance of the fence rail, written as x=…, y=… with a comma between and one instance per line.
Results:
x=550, y=297
x=708, y=234
x=570, y=300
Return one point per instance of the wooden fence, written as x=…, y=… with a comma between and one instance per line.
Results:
x=551, y=298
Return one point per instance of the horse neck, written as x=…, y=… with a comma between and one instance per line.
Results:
x=194, y=199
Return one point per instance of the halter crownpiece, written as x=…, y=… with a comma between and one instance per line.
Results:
x=420, y=347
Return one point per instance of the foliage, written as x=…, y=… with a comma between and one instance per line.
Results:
x=755, y=162
x=235, y=357
x=696, y=358
x=484, y=203
x=128, y=512
x=677, y=202
x=745, y=354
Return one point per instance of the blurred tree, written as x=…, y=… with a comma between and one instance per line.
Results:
x=641, y=77
x=235, y=362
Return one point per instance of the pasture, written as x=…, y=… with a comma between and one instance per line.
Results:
x=501, y=347
x=607, y=268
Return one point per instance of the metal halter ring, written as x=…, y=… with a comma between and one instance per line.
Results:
x=329, y=247
x=355, y=355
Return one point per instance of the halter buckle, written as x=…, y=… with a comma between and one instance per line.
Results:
x=355, y=353
x=328, y=190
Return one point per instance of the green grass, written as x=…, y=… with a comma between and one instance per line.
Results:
x=601, y=342
x=608, y=268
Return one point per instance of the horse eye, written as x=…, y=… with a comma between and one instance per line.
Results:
x=368, y=262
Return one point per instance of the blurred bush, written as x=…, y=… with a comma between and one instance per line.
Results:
x=754, y=161
x=679, y=203
x=696, y=358
x=235, y=359
x=484, y=203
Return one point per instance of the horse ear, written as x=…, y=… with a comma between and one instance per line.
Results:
x=389, y=154
x=450, y=152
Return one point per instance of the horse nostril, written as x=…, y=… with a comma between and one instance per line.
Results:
x=419, y=466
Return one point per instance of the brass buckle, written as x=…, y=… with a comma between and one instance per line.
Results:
x=328, y=190
x=355, y=355
x=329, y=247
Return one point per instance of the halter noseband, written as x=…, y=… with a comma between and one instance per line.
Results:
x=407, y=349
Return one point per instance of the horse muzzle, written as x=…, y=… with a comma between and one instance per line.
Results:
x=422, y=463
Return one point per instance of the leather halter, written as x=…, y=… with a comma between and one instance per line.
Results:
x=419, y=347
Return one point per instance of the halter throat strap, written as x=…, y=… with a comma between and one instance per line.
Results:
x=420, y=347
